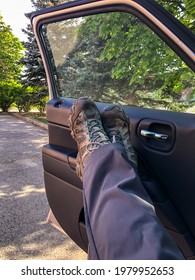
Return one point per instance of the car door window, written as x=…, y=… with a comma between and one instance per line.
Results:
x=115, y=58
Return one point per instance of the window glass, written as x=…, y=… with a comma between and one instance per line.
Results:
x=115, y=58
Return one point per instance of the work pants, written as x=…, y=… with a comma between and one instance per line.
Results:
x=120, y=218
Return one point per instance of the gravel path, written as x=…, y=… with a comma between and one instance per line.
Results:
x=24, y=232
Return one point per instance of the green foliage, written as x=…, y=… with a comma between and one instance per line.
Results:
x=5, y=101
x=10, y=53
x=40, y=100
x=24, y=99
x=114, y=58
x=30, y=97
x=10, y=68
x=34, y=73
x=141, y=58
x=34, y=77
x=8, y=91
x=178, y=107
x=82, y=72
x=184, y=10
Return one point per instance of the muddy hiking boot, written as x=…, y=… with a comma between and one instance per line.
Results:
x=87, y=130
x=117, y=127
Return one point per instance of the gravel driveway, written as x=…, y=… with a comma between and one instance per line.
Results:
x=24, y=232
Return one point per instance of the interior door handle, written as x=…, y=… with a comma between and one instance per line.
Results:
x=153, y=135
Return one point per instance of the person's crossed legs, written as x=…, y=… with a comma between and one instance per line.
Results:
x=120, y=218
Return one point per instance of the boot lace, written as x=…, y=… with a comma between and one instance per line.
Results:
x=96, y=134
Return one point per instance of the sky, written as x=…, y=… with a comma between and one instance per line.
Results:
x=13, y=15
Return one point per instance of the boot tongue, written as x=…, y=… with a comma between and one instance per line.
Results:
x=90, y=113
x=110, y=123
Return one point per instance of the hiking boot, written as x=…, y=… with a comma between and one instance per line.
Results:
x=87, y=130
x=117, y=127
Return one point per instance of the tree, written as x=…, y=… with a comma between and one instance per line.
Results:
x=34, y=73
x=34, y=77
x=154, y=73
x=75, y=55
x=10, y=68
x=82, y=72
x=114, y=57
x=9, y=89
x=10, y=53
x=184, y=10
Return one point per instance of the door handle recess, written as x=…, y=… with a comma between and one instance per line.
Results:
x=153, y=135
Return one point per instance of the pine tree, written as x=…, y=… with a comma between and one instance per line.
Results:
x=34, y=73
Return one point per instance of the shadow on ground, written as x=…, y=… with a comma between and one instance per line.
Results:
x=23, y=205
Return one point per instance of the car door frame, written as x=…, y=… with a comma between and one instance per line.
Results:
x=177, y=36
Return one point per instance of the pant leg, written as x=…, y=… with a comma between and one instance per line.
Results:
x=120, y=218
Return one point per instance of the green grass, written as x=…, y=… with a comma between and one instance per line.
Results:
x=36, y=116
x=40, y=119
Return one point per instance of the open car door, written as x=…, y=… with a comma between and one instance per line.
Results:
x=137, y=55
